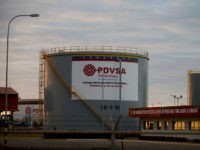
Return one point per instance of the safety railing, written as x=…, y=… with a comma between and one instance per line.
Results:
x=119, y=49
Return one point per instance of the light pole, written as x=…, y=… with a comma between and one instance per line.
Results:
x=120, y=92
x=8, y=31
x=176, y=98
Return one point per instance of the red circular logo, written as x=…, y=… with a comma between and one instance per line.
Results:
x=89, y=70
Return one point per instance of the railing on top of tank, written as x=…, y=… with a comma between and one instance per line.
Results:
x=95, y=49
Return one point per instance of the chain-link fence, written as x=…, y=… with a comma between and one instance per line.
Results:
x=39, y=139
x=84, y=132
x=29, y=138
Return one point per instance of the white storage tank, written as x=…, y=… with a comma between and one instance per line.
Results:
x=92, y=88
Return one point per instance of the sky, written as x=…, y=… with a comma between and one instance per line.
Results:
x=169, y=30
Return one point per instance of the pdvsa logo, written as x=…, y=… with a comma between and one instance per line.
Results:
x=90, y=70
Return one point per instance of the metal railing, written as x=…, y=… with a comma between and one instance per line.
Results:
x=119, y=49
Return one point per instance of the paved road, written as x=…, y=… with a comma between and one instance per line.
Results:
x=157, y=145
x=98, y=144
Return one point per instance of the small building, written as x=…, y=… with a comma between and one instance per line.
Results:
x=30, y=111
x=12, y=103
x=168, y=119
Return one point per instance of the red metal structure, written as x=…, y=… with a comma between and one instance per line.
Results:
x=12, y=99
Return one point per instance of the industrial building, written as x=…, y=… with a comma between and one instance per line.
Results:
x=30, y=111
x=168, y=119
x=92, y=88
x=12, y=102
x=185, y=119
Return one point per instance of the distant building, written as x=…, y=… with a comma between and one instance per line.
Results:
x=12, y=100
x=193, y=87
x=170, y=118
x=30, y=111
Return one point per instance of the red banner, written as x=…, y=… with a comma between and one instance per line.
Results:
x=176, y=111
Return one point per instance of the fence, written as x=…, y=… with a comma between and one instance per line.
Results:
x=40, y=139
x=70, y=136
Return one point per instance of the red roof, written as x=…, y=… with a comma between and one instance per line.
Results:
x=9, y=90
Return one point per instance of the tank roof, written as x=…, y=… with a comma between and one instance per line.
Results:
x=87, y=49
x=194, y=70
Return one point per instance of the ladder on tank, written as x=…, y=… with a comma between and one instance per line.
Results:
x=41, y=85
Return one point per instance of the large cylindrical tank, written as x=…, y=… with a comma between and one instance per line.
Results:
x=93, y=88
x=193, y=87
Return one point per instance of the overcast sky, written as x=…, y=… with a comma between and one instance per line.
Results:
x=168, y=29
